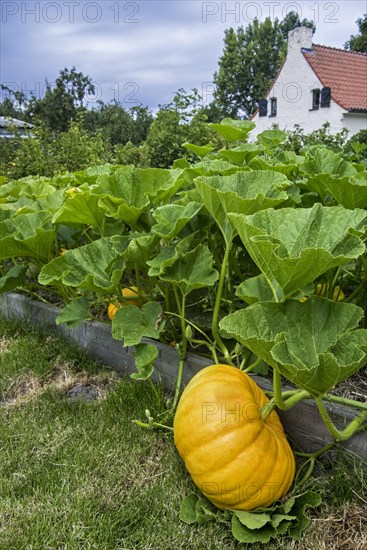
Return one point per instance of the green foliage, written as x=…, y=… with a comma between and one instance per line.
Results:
x=358, y=43
x=298, y=140
x=180, y=121
x=132, y=154
x=227, y=250
x=117, y=125
x=61, y=104
x=44, y=154
x=261, y=525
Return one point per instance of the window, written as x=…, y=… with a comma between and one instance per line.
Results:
x=315, y=99
x=263, y=107
x=273, y=106
x=325, y=96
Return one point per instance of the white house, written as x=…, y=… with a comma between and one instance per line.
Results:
x=316, y=84
x=10, y=127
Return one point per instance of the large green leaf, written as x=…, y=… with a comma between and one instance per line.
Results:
x=139, y=249
x=257, y=289
x=233, y=130
x=271, y=138
x=294, y=246
x=169, y=254
x=211, y=167
x=350, y=192
x=38, y=188
x=131, y=323
x=192, y=270
x=243, y=154
x=127, y=193
x=314, y=344
x=13, y=278
x=74, y=313
x=324, y=161
x=200, y=150
x=171, y=218
x=259, y=163
x=27, y=235
x=242, y=193
x=97, y=266
x=145, y=355
x=83, y=208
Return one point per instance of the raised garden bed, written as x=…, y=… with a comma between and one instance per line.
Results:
x=302, y=423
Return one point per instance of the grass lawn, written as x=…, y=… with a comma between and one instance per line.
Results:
x=81, y=475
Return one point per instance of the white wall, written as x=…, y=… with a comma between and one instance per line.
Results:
x=355, y=122
x=293, y=90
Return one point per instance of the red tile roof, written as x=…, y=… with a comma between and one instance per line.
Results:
x=343, y=71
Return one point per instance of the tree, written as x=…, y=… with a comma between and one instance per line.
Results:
x=358, y=43
x=119, y=125
x=292, y=20
x=12, y=104
x=61, y=104
x=250, y=61
x=179, y=121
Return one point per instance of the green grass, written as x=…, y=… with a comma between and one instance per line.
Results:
x=79, y=475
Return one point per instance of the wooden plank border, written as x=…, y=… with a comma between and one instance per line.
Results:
x=302, y=423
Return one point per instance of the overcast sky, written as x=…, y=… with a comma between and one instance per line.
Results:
x=141, y=52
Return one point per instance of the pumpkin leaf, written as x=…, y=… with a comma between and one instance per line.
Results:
x=252, y=520
x=324, y=161
x=74, y=313
x=257, y=289
x=277, y=519
x=200, y=150
x=171, y=218
x=243, y=154
x=131, y=323
x=97, y=266
x=169, y=254
x=139, y=248
x=314, y=344
x=292, y=247
x=271, y=138
x=30, y=235
x=13, y=278
x=233, y=130
x=83, y=208
x=302, y=503
x=145, y=355
x=193, y=270
x=245, y=534
x=242, y=193
x=187, y=512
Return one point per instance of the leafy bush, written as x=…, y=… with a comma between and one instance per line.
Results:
x=46, y=154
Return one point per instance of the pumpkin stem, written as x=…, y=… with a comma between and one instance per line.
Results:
x=349, y=431
x=218, y=299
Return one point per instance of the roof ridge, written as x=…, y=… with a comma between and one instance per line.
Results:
x=339, y=50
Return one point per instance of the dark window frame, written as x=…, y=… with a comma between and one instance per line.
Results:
x=325, y=97
x=273, y=107
x=316, y=99
x=263, y=107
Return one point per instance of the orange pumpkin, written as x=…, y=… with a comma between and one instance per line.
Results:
x=235, y=458
x=131, y=295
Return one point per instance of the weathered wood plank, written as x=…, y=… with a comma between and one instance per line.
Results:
x=302, y=423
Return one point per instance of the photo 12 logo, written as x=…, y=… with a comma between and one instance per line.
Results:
x=246, y=12
x=239, y=412
x=71, y=12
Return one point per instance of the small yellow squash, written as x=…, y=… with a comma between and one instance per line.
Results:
x=131, y=296
x=236, y=459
